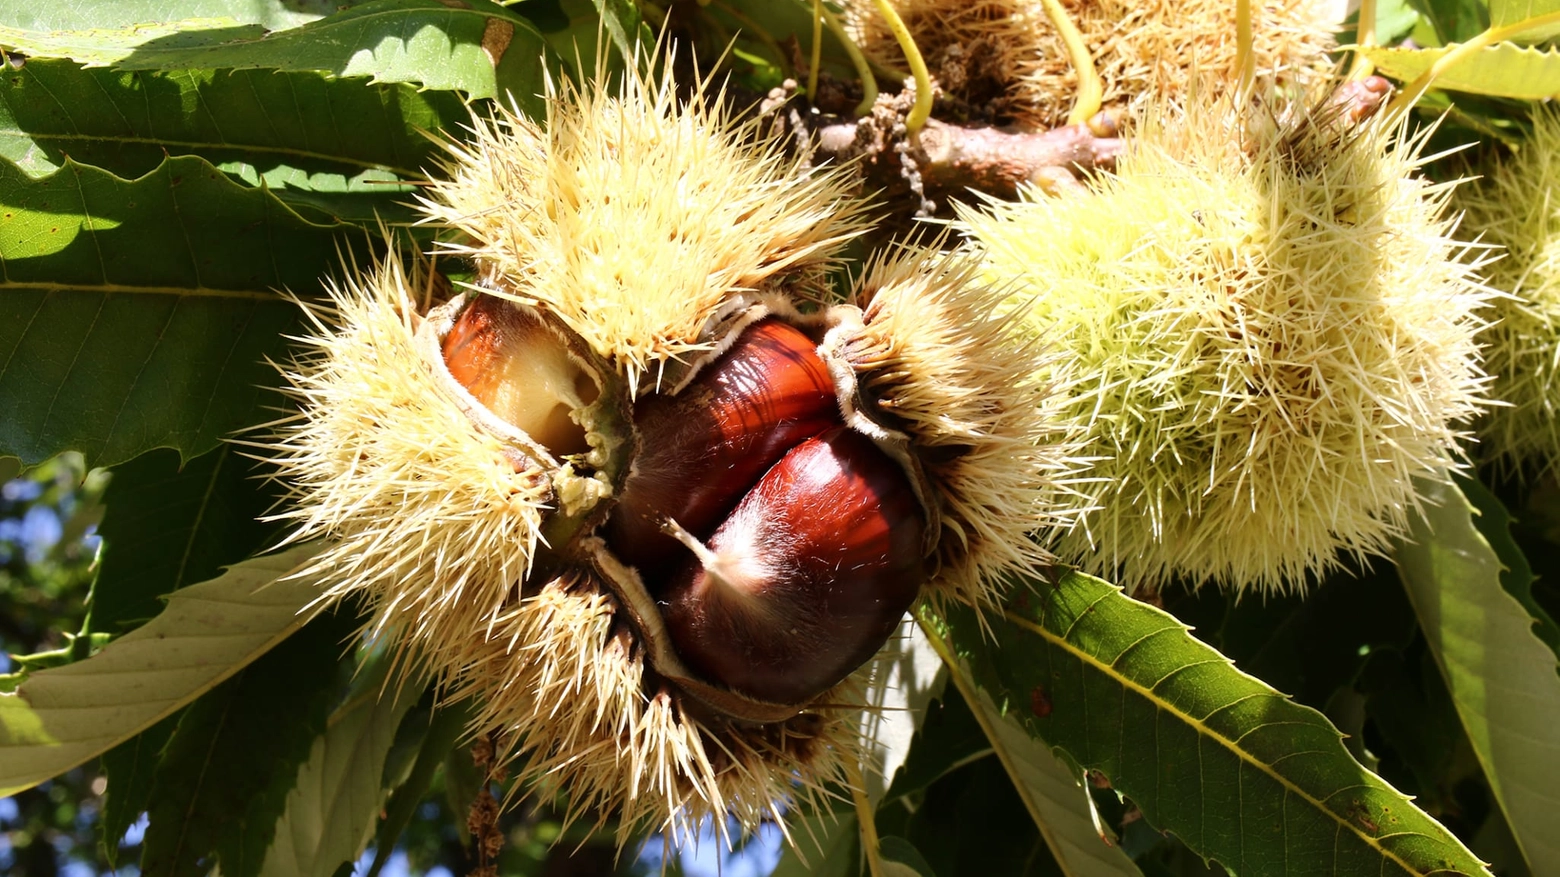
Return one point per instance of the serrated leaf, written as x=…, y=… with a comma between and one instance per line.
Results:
x=296, y=132
x=330, y=812
x=137, y=314
x=270, y=14
x=444, y=727
x=1516, y=576
x=1501, y=70
x=130, y=768
x=905, y=676
x=472, y=46
x=1235, y=769
x=1058, y=803
x=1529, y=19
x=168, y=526
x=1502, y=678
x=60, y=718
x=226, y=772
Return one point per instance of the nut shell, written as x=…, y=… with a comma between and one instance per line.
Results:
x=807, y=577
x=704, y=448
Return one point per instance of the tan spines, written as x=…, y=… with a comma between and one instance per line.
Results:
x=941, y=357
x=427, y=516
x=1156, y=49
x=1272, y=329
x=561, y=677
x=634, y=215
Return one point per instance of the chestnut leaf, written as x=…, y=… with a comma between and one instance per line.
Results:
x=59, y=718
x=476, y=47
x=1501, y=676
x=1240, y=773
x=339, y=145
x=169, y=525
x=137, y=314
x=331, y=810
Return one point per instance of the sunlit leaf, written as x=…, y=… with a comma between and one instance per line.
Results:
x=331, y=810
x=1502, y=678
x=1049, y=788
x=137, y=314
x=60, y=718
x=473, y=46
x=1233, y=768
x=1501, y=70
x=298, y=132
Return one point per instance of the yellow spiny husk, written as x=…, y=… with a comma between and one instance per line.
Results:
x=562, y=678
x=641, y=224
x=1272, y=332
x=1007, y=54
x=1517, y=208
x=427, y=515
x=633, y=216
x=946, y=362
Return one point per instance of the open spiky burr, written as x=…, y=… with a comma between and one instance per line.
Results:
x=648, y=491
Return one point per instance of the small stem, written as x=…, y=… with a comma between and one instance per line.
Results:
x=866, y=817
x=1090, y=91
x=869, y=91
x=817, y=51
x=922, y=110
x=1364, y=36
x=1245, y=51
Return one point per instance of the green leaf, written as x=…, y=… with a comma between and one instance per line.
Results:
x=138, y=314
x=1516, y=575
x=1051, y=791
x=473, y=46
x=825, y=846
x=297, y=132
x=1519, y=15
x=949, y=738
x=270, y=14
x=1455, y=21
x=330, y=812
x=1501, y=70
x=906, y=675
x=623, y=23
x=1501, y=677
x=226, y=772
x=443, y=729
x=60, y=718
x=168, y=526
x=1235, y=769
x=130, y=768
x=975, y=815
x=900, y=853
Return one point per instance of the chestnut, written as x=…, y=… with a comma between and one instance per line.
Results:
x=704, y=448
x=504, y=356
x=807, y=576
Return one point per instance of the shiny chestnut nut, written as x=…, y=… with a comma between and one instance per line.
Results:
x=704, y=448
x=507, y=359
x=806, y=578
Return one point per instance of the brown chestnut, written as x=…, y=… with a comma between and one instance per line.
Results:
x=807, y=576
x=704, y=448
x=509, y=361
